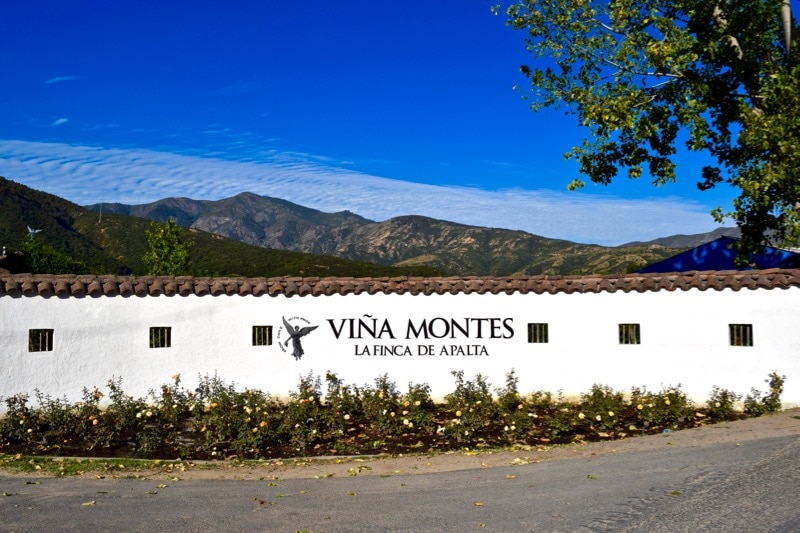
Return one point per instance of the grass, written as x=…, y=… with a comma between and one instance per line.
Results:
x=73, y=466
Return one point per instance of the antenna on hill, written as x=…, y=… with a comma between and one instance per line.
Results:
x=100, y=220
x=32, y=232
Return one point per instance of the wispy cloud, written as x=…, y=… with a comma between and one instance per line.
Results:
x=59, y=122
x=59, y=79
x=87, y=175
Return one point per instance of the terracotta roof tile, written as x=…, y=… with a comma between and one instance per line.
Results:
x=201, y=288
x=155, y=288
x=12, y=287
x=28, y=287
x=244, y=288
x=45, y=287
x=304, y=289
x=126, y=288
x=77, y=286
x=216, y=287
x=94, y=288
x=110, y=288
x=290, y=289
x=261, y=288
x=62, y=287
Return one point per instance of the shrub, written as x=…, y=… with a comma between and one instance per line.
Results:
x=302, y=422
x=343, y=406
x=517, y=413
x=421, y=411
x=756, y=404
x=381, y=406
x=472, y=406
x=564, y=420
x=721, y=403
x=58, y=421
x=232, y=421
x=661, y=409
x=127, y=418
x=20, y=420
x=602, y=408
x=219, y=421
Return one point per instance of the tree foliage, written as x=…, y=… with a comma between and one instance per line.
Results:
x=647, y=75
x=39, y=258
x=168, y=254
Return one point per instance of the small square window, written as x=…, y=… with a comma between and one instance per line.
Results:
x=160, y=337
x=40, y=340
x=262, y=335
x=741, y=334
x=538, y=333
x=630, y=334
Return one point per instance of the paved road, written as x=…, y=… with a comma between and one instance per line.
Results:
x=724, y=486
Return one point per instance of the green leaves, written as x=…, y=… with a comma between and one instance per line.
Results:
x=168, y=254
x=637, y=73
x=40, y=258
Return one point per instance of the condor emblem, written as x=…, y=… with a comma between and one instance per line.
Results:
x=294, y=334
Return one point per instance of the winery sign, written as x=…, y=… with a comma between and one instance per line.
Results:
x=371, y=336
x=380, y=337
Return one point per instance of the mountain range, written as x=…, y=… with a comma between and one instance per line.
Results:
x=109, y=243
x=254, y=235
x=453, y=248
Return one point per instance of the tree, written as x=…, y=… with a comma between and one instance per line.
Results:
x=168, y=254
x=644, y=76
x=39, y=258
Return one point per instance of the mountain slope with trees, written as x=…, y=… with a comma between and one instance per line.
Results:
x=115, y=244
x=401, y=241
x=261, y=236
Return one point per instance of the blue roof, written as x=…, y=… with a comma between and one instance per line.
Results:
x=720, y=254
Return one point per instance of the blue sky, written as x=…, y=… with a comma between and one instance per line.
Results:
x=384, y=109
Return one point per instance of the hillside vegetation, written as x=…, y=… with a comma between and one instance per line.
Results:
x=252, y=235
x=109, y=243
x=403, y=241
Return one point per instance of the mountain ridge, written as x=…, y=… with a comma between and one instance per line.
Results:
x=108, y=242
x=458, y=249
x=254, y=235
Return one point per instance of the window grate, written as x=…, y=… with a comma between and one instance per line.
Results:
x=160, y=337
x=630, y=334
x=40, y=340
x=741, y=334
x=538, y=333
x=262, y=335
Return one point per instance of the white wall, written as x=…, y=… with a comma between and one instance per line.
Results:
x=684, y=340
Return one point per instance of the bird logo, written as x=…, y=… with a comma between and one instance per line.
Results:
x=295, y=334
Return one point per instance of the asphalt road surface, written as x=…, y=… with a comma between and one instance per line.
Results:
x=716, y=484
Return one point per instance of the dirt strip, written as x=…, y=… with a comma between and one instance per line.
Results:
x=785, y=423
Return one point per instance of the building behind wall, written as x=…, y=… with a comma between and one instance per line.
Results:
x=697, y=329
